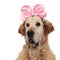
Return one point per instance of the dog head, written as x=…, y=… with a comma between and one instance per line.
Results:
x=34, y=28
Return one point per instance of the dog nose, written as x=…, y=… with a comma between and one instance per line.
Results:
x=30, y=34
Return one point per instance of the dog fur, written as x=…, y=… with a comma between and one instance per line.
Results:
x=41, y=52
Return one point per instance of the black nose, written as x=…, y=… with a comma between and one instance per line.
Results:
x=30, y=34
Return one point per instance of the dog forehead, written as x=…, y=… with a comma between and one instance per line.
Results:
x=33, y=19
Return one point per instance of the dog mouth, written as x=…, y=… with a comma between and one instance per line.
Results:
x=33, y=43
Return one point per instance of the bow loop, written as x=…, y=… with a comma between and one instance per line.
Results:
x=26, y=11
x=39, y=10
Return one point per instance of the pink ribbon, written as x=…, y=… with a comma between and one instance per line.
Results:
x=27, y=11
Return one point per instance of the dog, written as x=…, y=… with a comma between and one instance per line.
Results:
x=35, y=31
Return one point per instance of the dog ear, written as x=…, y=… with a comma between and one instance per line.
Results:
x=48, y=27
x=21, y=29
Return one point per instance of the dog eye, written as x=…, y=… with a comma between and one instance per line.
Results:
x=27, y=25
x=37, y=24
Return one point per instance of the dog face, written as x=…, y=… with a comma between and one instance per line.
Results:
x=34, y=29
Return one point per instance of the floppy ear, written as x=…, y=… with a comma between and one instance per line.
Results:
x=48, y=27
x=21, y=29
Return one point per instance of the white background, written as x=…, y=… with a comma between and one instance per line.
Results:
x=11, y=42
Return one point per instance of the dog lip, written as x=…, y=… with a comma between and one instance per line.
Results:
x=37, y=43
x=32, y=42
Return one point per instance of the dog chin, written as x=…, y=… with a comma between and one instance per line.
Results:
x=34, y=45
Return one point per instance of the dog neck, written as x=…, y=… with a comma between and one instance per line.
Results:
x=38, y=51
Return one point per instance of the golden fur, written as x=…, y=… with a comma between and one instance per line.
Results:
x=41, y=52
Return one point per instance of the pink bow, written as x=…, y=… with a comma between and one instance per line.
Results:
x=38, y=10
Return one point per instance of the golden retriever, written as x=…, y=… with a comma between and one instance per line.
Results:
x=36, y=30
